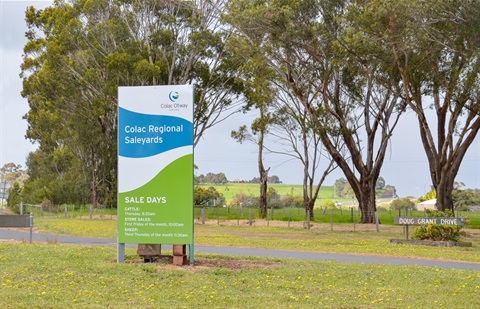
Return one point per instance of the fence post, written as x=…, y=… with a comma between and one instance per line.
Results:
x=31, y=226
x=354, y=218
x=268, y=222
x=331, y=219
x=250, y=216
x=66, y=211
x=376, y=222
x=202, y=210
x=218, y=215
x=289, y=215
x=91, y=212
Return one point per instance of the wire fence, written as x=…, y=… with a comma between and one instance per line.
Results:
x=68, y=211
x=241, y=216
x=291, y=216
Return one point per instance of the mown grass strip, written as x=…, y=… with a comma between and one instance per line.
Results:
x=63, y=276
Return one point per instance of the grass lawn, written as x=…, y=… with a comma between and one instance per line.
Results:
x=364, y=240
x=65, y=276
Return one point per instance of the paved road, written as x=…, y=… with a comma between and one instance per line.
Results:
x=367, y=259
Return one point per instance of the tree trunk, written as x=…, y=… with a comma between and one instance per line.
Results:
x=94, y=189
x=444, y=190
x=263, y=191
x=366, y=201
x=263, y=177
x=309, y=204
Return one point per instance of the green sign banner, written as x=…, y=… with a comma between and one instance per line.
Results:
x=155, y=165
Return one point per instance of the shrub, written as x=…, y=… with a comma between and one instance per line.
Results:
x=328, y=204
x=438, y=232
x=204, y=196
x=439, y=214
x=14, y=197
x=290, y=200
x=401, y=203
x=245, y=200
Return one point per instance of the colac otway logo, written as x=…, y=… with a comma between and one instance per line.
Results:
x=173, y=96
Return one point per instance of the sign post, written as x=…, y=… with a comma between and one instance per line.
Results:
x=406, y=221
x=155, y=166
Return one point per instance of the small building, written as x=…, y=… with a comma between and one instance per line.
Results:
x=430, y=204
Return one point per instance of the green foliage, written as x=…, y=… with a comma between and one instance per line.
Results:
x=219, y=178
x=12, y=172
x=244, y=200
x=207, y=196
x=328, y=204
x=14, y=197
x=380, y=183
x=56, y=176
x=438, y=232
x=462, y=199
x=439, y=214
x=290, y=200
x=402, y=203
x=339, y=186
x=274, y=200
x=430, y=195
x=389, y=191
x=343, y=189
x=77, y=55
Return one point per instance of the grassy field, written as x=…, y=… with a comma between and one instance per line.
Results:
x=63, y=276
x=231, y=189
x=53, y=275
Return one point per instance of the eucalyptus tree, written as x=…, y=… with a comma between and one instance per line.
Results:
x=183, y=42
x=295, y=137
x=350, y=96
x=436, y=48
x=259, y=95
x=79, y=52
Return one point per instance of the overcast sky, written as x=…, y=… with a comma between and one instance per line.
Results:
x=405, y=165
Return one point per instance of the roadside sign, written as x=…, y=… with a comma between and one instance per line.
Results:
x=155, y=165
x=420, y=221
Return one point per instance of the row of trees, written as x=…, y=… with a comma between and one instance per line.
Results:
x=214, y=178
x=80, y=51
x=220, y=178
x=357, y=66
x=342, y=188
x=329, y=79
